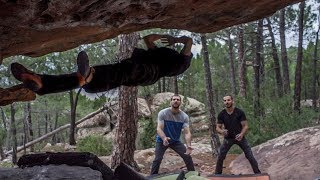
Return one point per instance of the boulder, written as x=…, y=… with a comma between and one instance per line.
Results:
x=294, y=155
x=100, y=123
x=50, y=172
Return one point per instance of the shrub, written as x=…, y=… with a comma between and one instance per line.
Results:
x=148, y=136
x=97, y=145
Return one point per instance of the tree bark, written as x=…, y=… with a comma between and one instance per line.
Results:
x=242, y=64
x=314, y=69
x=54, y=138
x=29, y=123
x=25, y=126
x=163, y=84
x=159, y=86
x=13, y=134
x=46, y=117
x=4, y=119
x=126, y=129
x=276, y=65
x=284, y=56
x=175, y=85
x=73, y=104
x=231, y=59
x=256, y=68
x=297, y=85
x=215, y=142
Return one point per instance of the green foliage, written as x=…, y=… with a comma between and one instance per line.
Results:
x=97, y=145
x=38, y=147
x=147, y=137
x=279, y=118
x=3, y=135
x=4, y=164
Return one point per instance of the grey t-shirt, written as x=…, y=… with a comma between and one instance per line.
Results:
x=173, y=124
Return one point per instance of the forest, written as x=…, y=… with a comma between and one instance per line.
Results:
x=271, y=67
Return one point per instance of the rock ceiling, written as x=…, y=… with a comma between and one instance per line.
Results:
x=34, y=28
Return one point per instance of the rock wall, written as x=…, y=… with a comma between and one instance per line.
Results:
x=293, y=156
x=35, y=28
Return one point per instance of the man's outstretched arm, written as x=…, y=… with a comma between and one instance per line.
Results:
x=169, y=40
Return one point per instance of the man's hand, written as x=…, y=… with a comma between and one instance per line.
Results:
x=189, y=150
x=224, y=132
x=239, y=137
x=166, y=141
x=168, y=40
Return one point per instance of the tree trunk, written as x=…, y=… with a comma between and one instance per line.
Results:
x=276, y=65
x=163, y=84
x=314, y=69
x=159, y=86
x=4, y=119
x=46, y=117
x=215, y=142
x=39, y=128
x=2, y=154
x=231, y=59
x=25, y=126
x=13, y=134
x=54, y=138
x=175, y=85
x=256, y=68
x=284, y=56
x=29, y=123
x=297, y=85
x=73, y=104
x=242, y=64
x=126, y=129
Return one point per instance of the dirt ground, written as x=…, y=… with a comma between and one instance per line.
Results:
x=204, y=163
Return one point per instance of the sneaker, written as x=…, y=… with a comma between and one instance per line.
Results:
x=18, y=70
x=30, y=80
x=83, y=64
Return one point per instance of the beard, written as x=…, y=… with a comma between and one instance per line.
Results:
x=176, y=106
x=229, y=105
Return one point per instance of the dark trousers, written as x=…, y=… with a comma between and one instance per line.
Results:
x=179, y=148
x=244, y=145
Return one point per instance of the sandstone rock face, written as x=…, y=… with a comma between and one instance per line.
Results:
x=35, y=28
x=294, y=155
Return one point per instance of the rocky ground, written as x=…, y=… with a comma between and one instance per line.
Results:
x=204, y=163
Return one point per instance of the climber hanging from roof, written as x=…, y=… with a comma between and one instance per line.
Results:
x=144, y=67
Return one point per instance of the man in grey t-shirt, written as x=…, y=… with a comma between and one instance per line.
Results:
x=171, y=121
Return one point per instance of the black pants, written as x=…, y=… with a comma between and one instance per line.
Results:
x=244, y=145
x=179, y=148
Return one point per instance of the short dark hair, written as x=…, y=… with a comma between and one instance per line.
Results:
x=175, y=95
x=229, y=95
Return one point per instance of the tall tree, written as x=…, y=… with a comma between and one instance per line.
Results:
x=276, y=62
x=73, y=104
x=231, y=59
x=242, y=63
x=284, y=56
x=314, y=68
x=126, y=129
x=256, y=68
x=13, y=133
x=297, y=85
x=29, y=124
x=215, y=142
